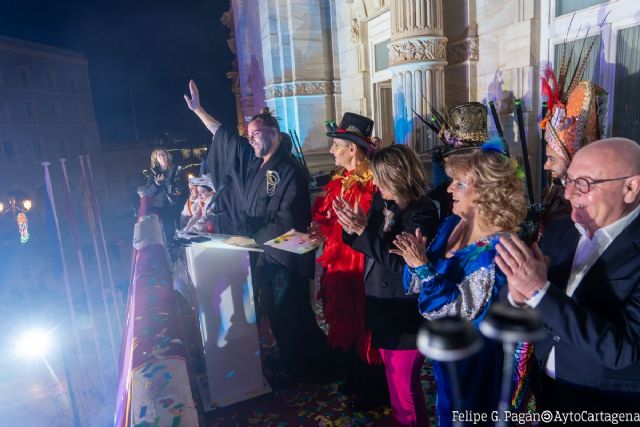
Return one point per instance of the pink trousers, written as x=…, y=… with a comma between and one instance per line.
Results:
x=405, y=390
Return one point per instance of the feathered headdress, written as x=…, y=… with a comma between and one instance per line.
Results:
x=572, y=120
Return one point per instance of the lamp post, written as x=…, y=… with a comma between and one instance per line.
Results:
x=19, y=212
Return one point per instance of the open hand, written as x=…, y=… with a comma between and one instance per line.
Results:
x=525, y=268
x=411, y=247
x=351, y=218
x=194, y=102
x=315, y=234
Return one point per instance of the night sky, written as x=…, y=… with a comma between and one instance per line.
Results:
x=155, y=45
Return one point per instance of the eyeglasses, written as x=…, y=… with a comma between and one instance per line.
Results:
x=583, y=185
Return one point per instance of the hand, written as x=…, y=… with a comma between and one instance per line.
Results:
x=315, y=234
x=194, y=102
x=525, y=268
x=411, y=247
x=352, y=219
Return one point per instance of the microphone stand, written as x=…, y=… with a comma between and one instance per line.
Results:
x=510, y=325
x=449, y=340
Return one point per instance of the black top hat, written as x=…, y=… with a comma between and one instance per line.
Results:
x=354, y=128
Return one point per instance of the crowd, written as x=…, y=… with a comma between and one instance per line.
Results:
x=390, y=259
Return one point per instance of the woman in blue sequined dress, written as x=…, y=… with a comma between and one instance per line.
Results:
x=457, y=276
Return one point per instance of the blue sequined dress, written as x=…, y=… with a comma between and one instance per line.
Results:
x=463, y=285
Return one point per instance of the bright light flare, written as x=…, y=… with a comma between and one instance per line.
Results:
x=26, y=204
x=34, y=344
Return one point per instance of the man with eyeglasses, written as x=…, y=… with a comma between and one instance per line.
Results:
x=585, y=283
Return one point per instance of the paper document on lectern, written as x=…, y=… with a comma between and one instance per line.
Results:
x=292, y=241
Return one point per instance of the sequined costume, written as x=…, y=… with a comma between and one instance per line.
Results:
x=465, y=285
x=342, y=283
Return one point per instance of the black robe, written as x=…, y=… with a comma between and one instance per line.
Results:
x=280, y=278
x=244, y=208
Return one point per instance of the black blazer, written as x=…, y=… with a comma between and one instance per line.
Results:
x=596, y=332
x=392, y=317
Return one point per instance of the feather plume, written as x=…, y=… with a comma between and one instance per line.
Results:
x=550, y=88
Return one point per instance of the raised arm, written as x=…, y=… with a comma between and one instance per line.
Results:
x=193, y=103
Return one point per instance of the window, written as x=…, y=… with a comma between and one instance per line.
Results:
x=77, y=113
x=626, y=109
x=23, y=77
x=37, y=149
x=28, y=110
x=62, y=150
x=74, y=83
x=9, y=151
x=51, y=82
x=614, y=63
x=55, y=112
x=381, y=52
x=4, y=116
x=592, y=68
x=564, y=7
x=82, y=145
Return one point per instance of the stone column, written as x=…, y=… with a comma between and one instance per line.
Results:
x=417, y=57
x=298, y=70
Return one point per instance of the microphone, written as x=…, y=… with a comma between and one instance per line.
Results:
x=225, y=182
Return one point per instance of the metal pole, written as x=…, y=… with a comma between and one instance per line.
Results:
x=496, y=121
x=525, y=151
x=72, y=394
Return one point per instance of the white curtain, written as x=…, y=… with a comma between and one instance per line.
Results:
x=626, y=110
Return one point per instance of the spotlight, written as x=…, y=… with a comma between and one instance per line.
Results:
x=33, y=344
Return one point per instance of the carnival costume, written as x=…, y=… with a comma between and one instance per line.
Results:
x=461, y=128
x=464, y=285
x=342, y=283
x=576, y=117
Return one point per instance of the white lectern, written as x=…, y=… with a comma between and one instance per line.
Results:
x=222, y=278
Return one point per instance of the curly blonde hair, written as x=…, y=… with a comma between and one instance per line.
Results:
x=494, y=177
x=154, y=158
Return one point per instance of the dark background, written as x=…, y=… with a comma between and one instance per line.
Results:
x=155, y=46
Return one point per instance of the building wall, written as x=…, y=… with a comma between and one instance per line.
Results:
x=46, y=112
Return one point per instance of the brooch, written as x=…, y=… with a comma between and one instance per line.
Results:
x=389, y=221
x=272, y=182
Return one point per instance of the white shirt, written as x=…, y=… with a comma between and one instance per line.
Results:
x=587, y=253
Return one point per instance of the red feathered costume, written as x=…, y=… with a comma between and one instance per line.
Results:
x=342, y=284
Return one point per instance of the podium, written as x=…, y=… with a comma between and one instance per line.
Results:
x=221, y=275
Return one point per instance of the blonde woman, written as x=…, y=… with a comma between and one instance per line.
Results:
x=457, y=275
x=399, y=205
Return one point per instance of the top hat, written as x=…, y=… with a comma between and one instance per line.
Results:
x=468, y=123
x=353, y=128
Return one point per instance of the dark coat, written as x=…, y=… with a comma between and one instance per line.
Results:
x=596, y=332
x=245, y=208
x=392, y=316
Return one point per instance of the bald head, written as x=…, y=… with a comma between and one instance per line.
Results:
x=614, y=156
x=612, y=168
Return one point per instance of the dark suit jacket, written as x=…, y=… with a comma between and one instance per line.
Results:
x=596, y=332
x=392, y=317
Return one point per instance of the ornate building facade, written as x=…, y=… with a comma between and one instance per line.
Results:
x=312, y=60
